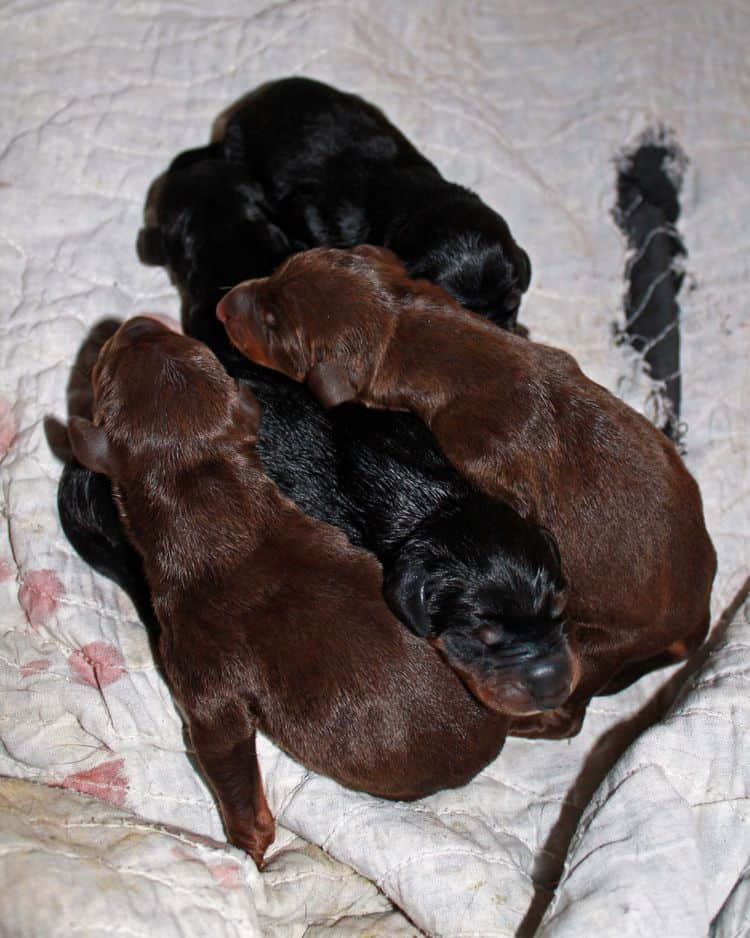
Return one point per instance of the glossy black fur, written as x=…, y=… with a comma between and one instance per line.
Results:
x=92, y=525
x=338, y=173
x=378, y=475
x=210, y=228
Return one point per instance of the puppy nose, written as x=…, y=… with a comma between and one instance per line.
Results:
x=549, y=679
x=224, y=308
x=237, y=302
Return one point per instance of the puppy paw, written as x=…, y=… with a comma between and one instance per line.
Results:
x=254, y=840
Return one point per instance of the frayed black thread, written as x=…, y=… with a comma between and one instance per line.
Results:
x=649, y=180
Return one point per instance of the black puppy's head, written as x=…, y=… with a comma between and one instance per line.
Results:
x=471, y=253
x=486, y=278
x=486, y=589
x=209, y=226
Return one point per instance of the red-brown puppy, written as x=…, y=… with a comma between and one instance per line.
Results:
x=523, y=423
x=269, y=620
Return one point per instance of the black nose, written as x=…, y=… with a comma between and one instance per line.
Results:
x=549, y=679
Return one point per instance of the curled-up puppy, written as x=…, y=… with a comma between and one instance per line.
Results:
x=378, y=476
x=523, y=423
x=269, y=620
x=339, y=173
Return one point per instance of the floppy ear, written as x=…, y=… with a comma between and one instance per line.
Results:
x=331, y=384
x=559, y=596
x=405, y=591
x=91, y=447
x=249, y=409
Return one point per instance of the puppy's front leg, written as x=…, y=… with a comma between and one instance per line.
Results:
x=225, y=748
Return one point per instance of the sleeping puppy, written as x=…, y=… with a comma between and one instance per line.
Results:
x=269, y=620
x=340, y=174
x=522, y=423
x=380, y=477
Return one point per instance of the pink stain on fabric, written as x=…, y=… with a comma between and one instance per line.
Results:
x=106, y=781
x=226, y=874
x=39, y=595
x=35, y=667
x=7, y=570
x=8, y=426
x=97, y=664
x=180, y=853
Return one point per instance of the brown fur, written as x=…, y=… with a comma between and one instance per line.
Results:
x=524, y=424
x=269, y=620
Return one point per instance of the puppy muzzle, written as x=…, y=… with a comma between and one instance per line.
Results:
x=521, y=687
x=250, y=328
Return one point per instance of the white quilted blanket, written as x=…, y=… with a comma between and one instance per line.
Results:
x=643, y=818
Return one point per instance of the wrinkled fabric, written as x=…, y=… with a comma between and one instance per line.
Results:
x=531, y=105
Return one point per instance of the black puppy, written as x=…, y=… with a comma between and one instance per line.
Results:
x=377, y=475
x=340, y=174
x=208, y=226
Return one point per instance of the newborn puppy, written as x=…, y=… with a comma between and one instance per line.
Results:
x=339, y=173
x=521, y=422
x=269, y=620
x=378, y=476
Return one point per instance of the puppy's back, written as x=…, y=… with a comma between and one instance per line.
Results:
x=577, y=456
x=283, y=128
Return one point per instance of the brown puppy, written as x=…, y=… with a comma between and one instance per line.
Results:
x=269, y=620
x=523, y=423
